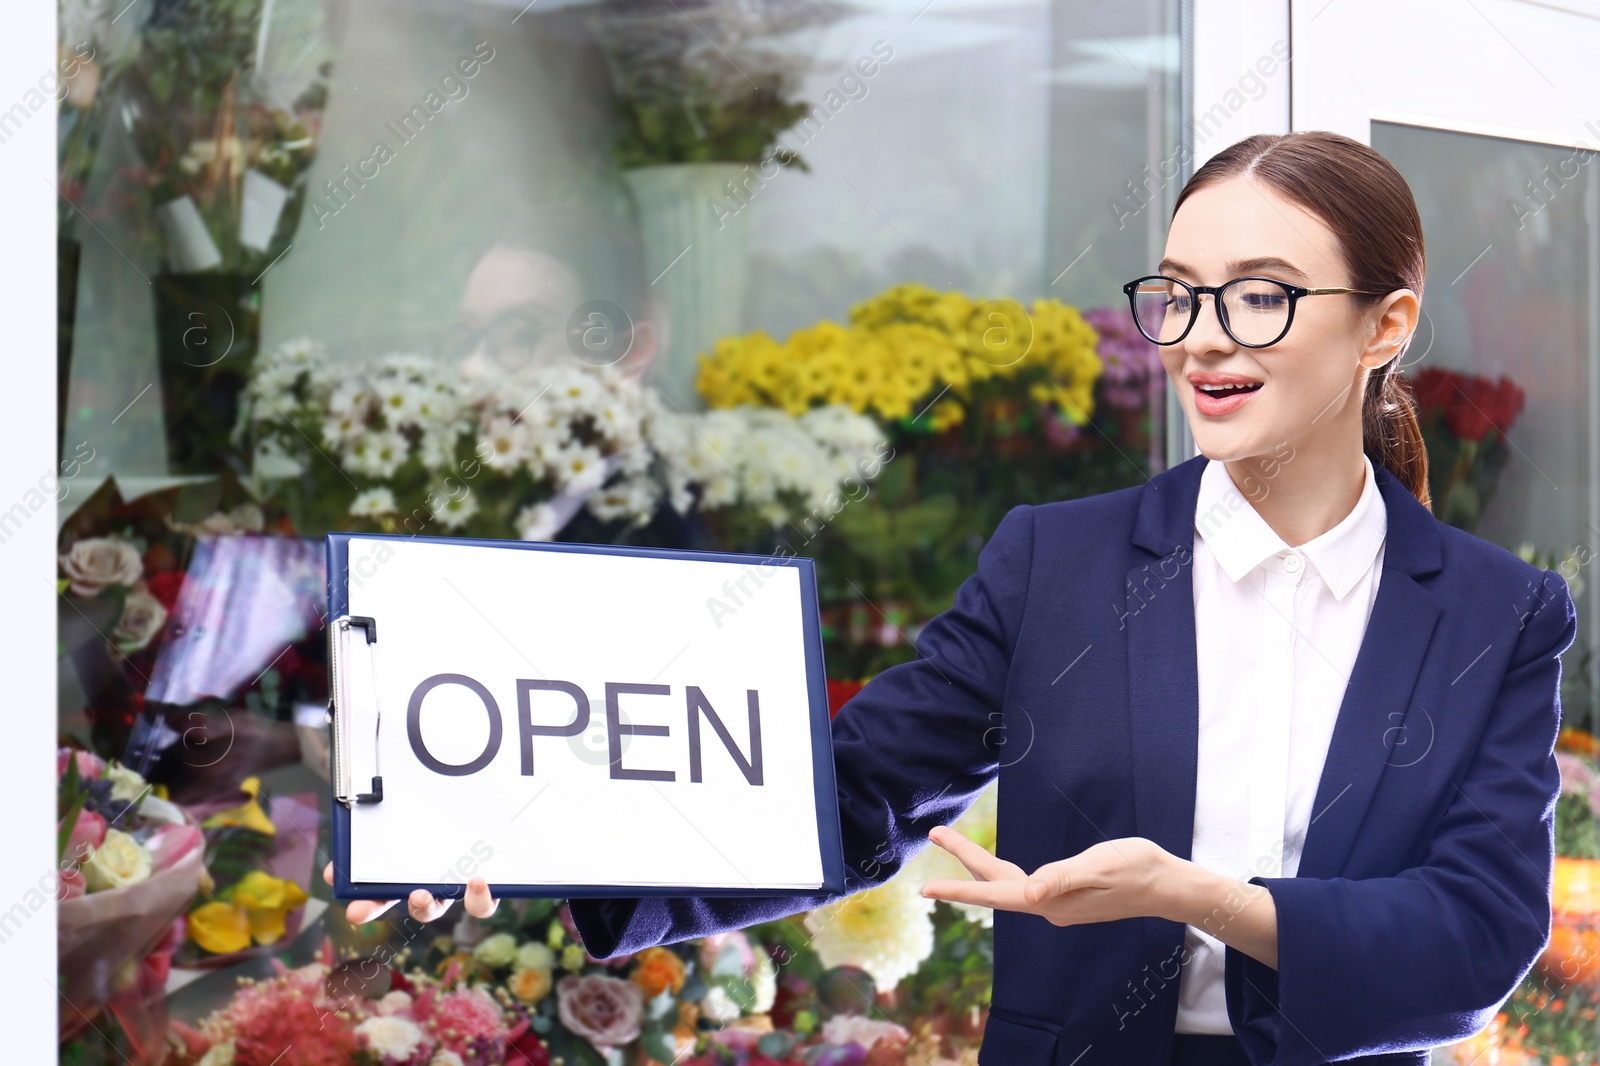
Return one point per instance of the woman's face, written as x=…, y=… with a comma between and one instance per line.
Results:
x=1312, y=379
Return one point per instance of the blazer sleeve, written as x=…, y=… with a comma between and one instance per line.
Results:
x=1428, y=956
x=911, y=750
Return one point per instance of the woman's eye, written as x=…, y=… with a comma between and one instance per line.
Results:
x=1265, y=301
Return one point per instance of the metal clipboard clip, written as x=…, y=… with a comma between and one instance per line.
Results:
x=339, y=710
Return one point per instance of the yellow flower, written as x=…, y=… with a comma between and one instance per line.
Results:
x=266, y=902
x=530, y=985
x=248, y=814
x=219, y=927
x=572, y=958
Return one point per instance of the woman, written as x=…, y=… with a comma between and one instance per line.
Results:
x=1275, y=744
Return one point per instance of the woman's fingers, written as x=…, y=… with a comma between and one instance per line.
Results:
x=424, y=908
x=364, y=910
x=978, y=861
x=479, y=903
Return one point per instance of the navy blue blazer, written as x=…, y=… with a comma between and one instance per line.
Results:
x=1067, y=667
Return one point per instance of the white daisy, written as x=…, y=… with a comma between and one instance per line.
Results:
x=373, y=502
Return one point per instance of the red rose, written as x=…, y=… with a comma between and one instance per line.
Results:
x=1476, y=409
x=164, y=586
x=527, y=1050
x=1433, y=388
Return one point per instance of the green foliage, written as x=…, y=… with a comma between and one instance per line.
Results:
x=1577, y=828
x=701, y=130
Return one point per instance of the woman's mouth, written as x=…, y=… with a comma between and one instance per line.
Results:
x=1214, y=401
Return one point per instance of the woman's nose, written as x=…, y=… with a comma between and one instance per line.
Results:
x=1207, y=335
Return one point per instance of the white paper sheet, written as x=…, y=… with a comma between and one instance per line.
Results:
x=499, y=614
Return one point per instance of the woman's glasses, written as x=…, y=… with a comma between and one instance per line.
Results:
x=1255, y=312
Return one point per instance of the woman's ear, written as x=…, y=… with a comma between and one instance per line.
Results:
x=1394, y=320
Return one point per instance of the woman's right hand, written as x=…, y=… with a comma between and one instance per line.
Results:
x=421, y=904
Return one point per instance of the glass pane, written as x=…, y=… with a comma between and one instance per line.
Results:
x=322, y=260
x=1511, y=298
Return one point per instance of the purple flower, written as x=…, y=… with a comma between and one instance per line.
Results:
x=1130, y=362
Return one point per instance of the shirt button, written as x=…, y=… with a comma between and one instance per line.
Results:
x=1291, y=563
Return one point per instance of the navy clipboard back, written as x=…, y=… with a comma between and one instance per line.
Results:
x=572, y=720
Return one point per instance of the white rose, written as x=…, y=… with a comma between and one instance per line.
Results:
x=95, y=562
x=126, y=784
x=446, y=1058
x=496, y=951
x=394, y=1002
x=391, y=1037
x=142, y=618
x=120, y=860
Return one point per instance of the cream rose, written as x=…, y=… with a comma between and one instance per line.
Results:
x=126, y=784
x=142, y=618
x=95, y=562
x=535, y=956
x=120, y=860
x=606, y=1011
x=391, y=1037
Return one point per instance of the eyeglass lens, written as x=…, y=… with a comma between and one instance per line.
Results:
x=1254, y=311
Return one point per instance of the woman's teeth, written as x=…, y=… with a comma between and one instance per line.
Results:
x=1223, y=390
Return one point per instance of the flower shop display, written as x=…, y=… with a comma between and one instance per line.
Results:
x=1464, y=419
x=985, y=404
x=399, y=445
x=129, y=863
x=840, y=985
x=136, y=578
x=223, y=104
x=702, y=92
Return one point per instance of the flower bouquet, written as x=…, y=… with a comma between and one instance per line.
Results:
x=1464, y=419
x=398, y=445
x=308, y=1016
x=223, y=106
x=130, y=862
x=706, y=81
x=255, y=887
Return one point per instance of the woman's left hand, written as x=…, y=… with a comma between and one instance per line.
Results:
x=1126, y=878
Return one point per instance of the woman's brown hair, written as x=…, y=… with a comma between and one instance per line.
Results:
x=1362, y=198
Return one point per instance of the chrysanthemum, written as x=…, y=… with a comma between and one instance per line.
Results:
x=886, y=931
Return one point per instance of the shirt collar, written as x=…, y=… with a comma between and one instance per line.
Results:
x=1240, y=539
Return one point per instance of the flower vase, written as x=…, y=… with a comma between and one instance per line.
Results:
x=693, y=227
x=208, y=327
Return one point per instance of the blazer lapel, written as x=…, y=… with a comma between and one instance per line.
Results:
x=1163, y=673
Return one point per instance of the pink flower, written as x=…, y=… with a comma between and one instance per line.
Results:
x=90, y=765
x=72, y=884
x=88, y=833
x=606, y=1011
x=1577, y=777
x=712, y=947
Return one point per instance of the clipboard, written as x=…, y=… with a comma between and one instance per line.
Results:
x=576, y=720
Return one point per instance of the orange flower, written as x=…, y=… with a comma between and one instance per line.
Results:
x=658, y=970
x=1578, y=741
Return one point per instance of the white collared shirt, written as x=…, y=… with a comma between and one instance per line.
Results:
x=1276, y=631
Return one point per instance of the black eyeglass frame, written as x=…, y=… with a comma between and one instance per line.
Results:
x=1294, y=292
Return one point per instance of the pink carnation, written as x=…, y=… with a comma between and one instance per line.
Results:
x=1577, y=776
x=606, y=1011
x=467, y=1021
